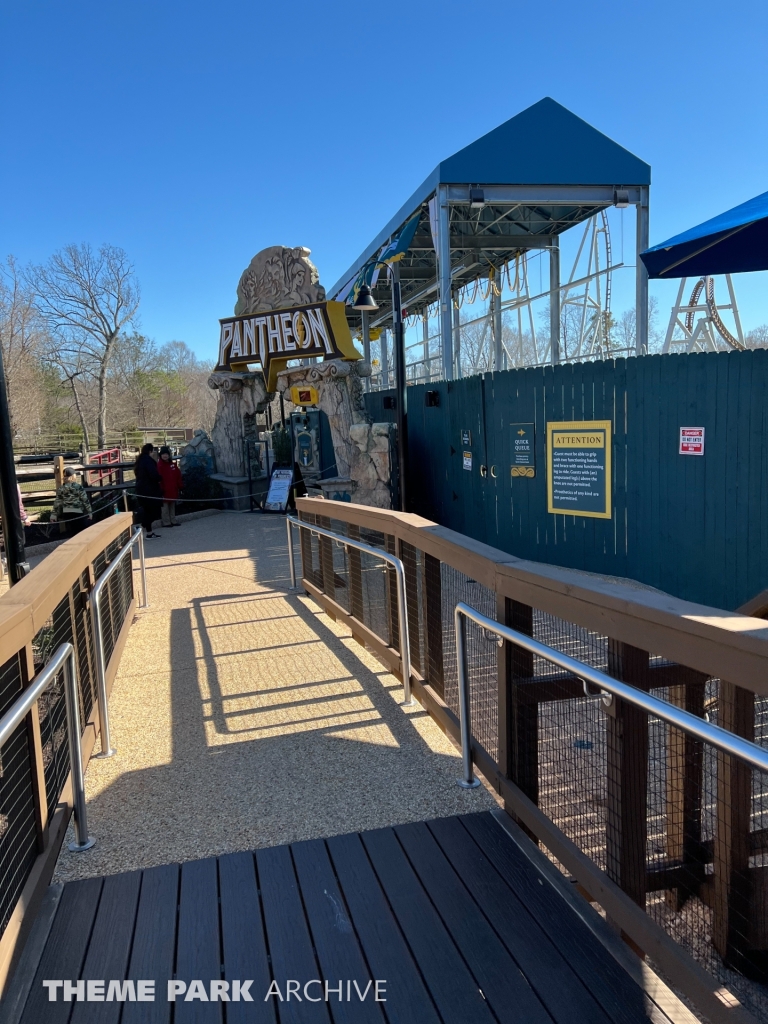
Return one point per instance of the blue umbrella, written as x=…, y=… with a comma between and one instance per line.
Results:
x=733, y=242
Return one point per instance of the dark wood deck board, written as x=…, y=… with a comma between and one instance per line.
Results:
x=243, y=940
x=198, y=945
x=110, y=945
x=611, y=986
x=462, y=925
x=153, y=955
x=65, y=950
x=334, y=937
x=455, y=991
x=290, y=944
x=383, y=944
x=508, y=991
x=547, y=965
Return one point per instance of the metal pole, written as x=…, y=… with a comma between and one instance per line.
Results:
x=641, y=276
x=366, y=348
x=402, y=397
x=469, y=781
x=71, y=697
x=425, y=341
x=444, y=277
x=405, y=640
x=498, y=347
x=554, y=301
x=142, y=568
x=384, y=346
x=290, y=553
x=13, y=528
x=107, y=750
x=397, y=565
x=457, y=339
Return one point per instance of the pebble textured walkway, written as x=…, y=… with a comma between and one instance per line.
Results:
x=244, y=717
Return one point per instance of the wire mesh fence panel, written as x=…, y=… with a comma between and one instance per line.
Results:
x=413, y=565
x=18, y=821
x=52, y=705
x=482, y=655
x=340, y=562
x=84, y=645
x=114, y=602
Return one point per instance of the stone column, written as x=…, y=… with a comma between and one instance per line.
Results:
x=240, y=397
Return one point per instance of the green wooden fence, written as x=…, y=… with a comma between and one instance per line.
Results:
x=694, y=526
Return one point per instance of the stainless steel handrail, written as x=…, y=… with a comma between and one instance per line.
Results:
x=64, y=658
x=397, y=565
x=107, y=750
x=670, y=713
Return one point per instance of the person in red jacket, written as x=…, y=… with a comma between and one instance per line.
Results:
x=171, y=482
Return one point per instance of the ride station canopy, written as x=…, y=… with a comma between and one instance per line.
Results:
x=733, y=242
x=515, y=189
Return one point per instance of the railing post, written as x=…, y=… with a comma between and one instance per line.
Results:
x=520, y=726
x=34, y=738
x=326, y=560
x=627, y=775
x=685, y=767
x=407, y=555
x=74, y=734
x=468, y=780
x=355, y=561
x=292, y=567
x=432, y=603
x=731, y=916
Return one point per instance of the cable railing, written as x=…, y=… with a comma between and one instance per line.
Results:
x=627, y=732
x=347, y=542
x=62, y=661
x=609, y=687
x=107, y=750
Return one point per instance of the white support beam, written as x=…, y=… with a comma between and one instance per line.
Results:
x=444, y=278
x=641, y=278
x=554, y=303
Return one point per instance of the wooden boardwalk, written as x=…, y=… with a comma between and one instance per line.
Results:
x=460, y=920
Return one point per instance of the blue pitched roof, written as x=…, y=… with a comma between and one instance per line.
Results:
x=545, y=144
x=733, y=242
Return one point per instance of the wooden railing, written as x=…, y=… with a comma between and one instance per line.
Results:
x=46, y=608
x=666, y=835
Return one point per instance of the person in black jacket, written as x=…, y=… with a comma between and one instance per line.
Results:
x=148, y=488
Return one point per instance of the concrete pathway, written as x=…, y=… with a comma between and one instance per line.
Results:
x=244, y=717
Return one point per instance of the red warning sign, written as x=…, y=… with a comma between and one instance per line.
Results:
x=691, y=440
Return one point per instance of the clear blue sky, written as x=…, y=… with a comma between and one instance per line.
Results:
x=195, y=134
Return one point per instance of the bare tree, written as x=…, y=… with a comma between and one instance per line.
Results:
x=87, y=298
x=24, y=338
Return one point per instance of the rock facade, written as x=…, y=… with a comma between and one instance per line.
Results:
x=362, y=449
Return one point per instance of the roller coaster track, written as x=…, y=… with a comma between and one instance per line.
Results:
x=708, y=283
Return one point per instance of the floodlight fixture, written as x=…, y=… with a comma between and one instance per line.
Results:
x=476, y=199
x=365, y=301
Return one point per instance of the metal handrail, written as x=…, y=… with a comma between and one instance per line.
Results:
x=397, y=565
x=670, y=713
x=107, y=750
x=64, y=658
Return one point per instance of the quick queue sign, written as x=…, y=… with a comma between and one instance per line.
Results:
x=579, y=468
x=274, y=337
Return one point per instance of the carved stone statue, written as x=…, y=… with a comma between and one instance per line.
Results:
x=276, y=278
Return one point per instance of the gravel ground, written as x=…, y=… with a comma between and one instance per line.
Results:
x=244, y=717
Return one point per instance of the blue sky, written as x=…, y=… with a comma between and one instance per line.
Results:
x=195, y=134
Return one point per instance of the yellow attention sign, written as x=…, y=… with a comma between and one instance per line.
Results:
x=273, y=338
x=579, y=468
